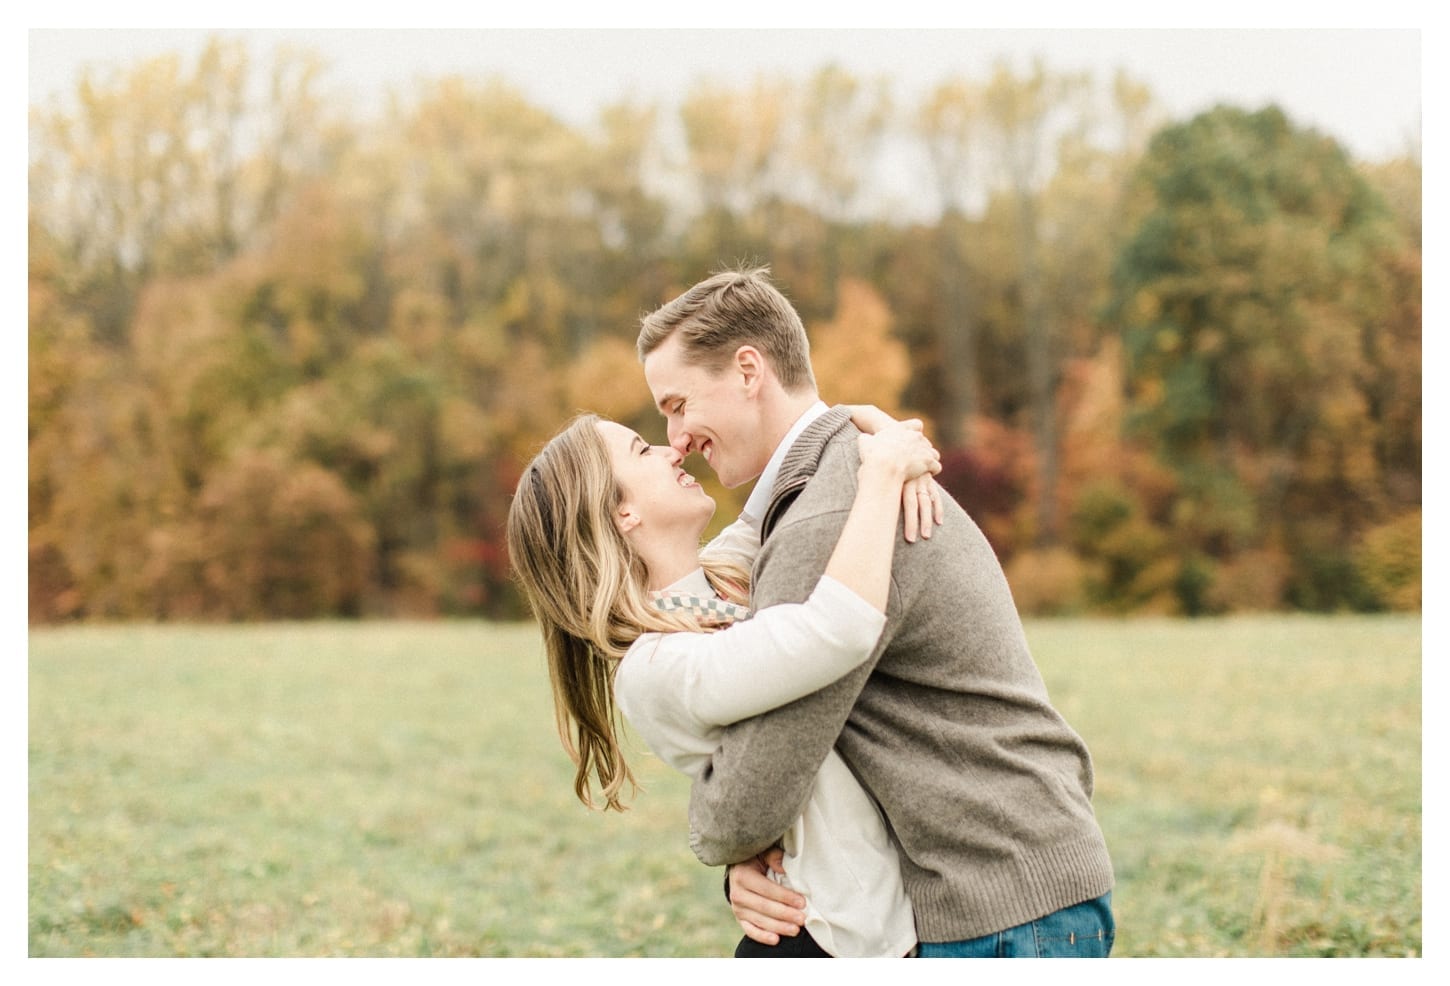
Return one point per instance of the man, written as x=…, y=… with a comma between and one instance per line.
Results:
x=985, y=788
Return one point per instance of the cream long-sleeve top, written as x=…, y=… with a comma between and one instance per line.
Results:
x=678, y=691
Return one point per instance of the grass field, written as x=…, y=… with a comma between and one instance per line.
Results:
x=397, y=789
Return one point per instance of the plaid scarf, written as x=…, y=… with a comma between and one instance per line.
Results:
x=709, y=610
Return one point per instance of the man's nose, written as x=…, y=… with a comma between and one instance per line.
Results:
x=679, y=439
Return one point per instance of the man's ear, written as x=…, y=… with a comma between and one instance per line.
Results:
x=751, y=365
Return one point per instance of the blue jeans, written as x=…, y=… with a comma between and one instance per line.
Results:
x=1082, y=931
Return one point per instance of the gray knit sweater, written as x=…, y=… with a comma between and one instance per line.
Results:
x=987, y=790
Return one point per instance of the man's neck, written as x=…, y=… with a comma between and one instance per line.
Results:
x=760, y=495
x=779, y=417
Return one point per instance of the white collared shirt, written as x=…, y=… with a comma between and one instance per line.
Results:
x=759, y=497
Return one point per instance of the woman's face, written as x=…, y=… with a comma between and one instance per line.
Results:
x=661, y=496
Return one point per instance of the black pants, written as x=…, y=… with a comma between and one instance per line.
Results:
x=802, y=946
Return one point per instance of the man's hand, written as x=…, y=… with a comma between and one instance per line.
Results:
x=765, y=909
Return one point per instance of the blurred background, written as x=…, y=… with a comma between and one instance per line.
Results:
x=302, y=303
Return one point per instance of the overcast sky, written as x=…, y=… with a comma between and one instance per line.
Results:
x=1361, y=85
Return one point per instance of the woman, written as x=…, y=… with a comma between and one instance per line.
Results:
x=604, y=535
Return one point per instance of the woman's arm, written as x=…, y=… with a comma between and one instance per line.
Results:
x=921, y=503
x=868, y=418
x=890, y=458
x=673, y=687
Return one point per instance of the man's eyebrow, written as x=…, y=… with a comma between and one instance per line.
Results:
x=664, y=401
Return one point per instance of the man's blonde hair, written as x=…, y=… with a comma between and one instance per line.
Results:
x=588, y=589
x=730, y=309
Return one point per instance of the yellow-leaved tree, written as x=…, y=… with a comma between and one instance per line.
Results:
x=856, y=358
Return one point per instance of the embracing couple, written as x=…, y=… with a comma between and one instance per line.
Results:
x=842, y=671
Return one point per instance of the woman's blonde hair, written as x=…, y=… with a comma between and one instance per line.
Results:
x=588, y=589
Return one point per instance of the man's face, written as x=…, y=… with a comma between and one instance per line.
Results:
x=707, y=413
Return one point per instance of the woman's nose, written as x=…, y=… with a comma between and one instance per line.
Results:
x=672, y=455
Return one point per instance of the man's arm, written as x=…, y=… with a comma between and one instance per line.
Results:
x=760, y=777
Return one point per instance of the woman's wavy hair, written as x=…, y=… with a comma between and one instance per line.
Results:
x=588, y=590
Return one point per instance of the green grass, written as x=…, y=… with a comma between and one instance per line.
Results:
x=398, y=789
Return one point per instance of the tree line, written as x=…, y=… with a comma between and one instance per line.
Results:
x=287, y=360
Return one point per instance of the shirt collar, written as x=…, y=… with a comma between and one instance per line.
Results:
x=760, y=496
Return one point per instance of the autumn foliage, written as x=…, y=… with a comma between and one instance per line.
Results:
x=288, y=363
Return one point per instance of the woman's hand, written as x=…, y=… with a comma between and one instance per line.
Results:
x=893, y=460
x=921, y=507
x=899, y=450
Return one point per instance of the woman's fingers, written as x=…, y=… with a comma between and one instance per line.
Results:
x=922, y=507
x=910, y=511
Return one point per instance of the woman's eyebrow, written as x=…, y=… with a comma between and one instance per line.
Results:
x=637, y=442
